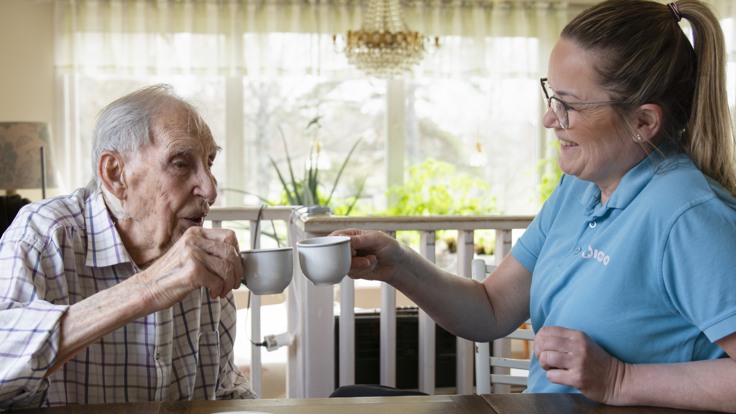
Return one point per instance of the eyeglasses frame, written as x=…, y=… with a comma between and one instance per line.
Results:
x=567, y=106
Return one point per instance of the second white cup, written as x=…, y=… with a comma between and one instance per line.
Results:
x=325, y=260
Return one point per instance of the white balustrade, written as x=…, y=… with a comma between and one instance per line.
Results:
x=311, y=309
x=314, y=316
x=256, y=218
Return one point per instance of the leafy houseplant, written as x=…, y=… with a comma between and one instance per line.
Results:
x=436, y=188
x=551, y=174
x=307, y=192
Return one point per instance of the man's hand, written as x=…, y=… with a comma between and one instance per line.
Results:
x=200, y=258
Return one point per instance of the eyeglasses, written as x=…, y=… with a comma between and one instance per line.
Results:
x=560, y=108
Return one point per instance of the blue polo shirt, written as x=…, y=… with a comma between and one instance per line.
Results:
x=649, y=276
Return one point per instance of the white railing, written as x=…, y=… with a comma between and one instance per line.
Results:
x=256, y=219
x=311, y=362
x=311, y=309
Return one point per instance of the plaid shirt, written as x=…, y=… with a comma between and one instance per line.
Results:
x=60, y=251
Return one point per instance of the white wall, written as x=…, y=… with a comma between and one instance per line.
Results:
x=27, y=63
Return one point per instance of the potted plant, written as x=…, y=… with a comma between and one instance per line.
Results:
x=307, y=191
x=435, y=187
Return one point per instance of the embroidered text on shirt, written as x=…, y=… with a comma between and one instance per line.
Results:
x=591, y=253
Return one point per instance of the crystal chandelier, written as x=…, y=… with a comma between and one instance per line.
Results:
x=384, y=46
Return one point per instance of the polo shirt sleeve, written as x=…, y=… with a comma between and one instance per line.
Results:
x=527, y=249
x=699, y=267
x=29, y=326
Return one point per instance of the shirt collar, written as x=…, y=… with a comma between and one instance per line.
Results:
x=104, y=245
x=632, y=183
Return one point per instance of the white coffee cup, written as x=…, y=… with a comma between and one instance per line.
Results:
x=325, y=260
x=267, y=271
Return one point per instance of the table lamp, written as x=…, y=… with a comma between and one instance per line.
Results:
x=25, y=156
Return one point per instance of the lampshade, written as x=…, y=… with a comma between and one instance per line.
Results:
x=25, y=156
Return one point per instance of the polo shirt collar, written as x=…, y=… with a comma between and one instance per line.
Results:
x=631, y=185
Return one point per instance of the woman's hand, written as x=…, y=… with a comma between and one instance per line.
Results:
x=376, y=256
x=571, y=358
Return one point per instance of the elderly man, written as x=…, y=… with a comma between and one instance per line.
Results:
x=116, y=293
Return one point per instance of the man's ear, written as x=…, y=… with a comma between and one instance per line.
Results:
x=111, y=169
x=648, y=121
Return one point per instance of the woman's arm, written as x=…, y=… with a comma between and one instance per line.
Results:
x=571, y=358
x=467, y=308
x=700, y=385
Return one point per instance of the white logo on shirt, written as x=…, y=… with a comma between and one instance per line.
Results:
x=591, y=253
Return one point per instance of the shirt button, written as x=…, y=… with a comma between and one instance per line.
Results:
x=577, y=250
x=158, y=355
x=592, y=224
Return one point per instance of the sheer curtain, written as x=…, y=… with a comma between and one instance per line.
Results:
x=257, y=67
x=175, y=36
x=229, y=37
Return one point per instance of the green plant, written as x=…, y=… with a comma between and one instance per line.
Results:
x=307, y=191
x=436, y=188
x=485, y=241
x=551, y=174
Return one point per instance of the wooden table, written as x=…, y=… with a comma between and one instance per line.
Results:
x=449, y=404
x=435, y=404
x=565, y=404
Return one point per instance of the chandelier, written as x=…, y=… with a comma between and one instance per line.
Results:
x=384, y=46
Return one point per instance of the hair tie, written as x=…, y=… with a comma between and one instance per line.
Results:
x=675, y=11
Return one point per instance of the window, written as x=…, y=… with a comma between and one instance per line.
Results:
x=258, y=70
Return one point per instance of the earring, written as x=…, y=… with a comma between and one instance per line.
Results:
x=638, y=137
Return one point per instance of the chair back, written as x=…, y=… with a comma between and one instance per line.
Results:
x=9, y=207
x=503, y=365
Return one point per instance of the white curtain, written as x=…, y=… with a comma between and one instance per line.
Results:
x=129, y=37
x=210, y=48
x=107, y=47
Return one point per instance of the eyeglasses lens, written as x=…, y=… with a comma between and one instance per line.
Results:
x=558, y=108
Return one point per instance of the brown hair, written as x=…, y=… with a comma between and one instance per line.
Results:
x=645, y=57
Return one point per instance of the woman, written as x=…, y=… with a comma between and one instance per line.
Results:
x=627, y=271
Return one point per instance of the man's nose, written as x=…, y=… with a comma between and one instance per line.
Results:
x=207, y=186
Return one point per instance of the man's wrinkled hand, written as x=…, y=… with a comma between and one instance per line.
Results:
x=200, y=258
